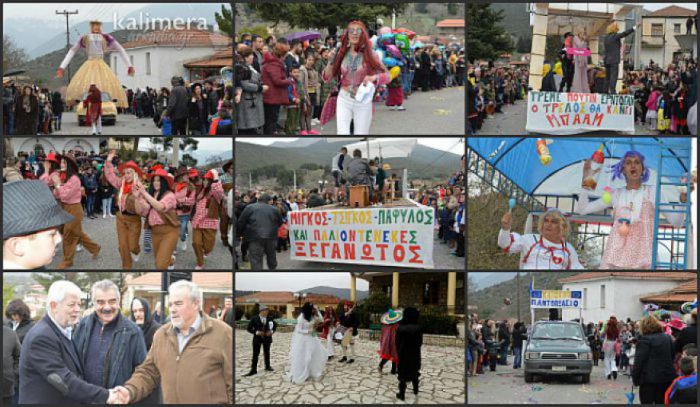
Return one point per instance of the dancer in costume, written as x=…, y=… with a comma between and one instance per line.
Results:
x=355, y=65
x=205, y=221
x=629, y=245
x=307, y=356
x=61, y=175
x=128, y=220
x=95, y=70
x=93, y=110
x=546, y=250
x=387, y=341
x=330, y=322
x=348, y=331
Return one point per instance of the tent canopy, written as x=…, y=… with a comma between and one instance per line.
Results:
x=385, y=148
x=517, y=158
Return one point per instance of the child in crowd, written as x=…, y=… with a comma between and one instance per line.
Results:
x=294, y=92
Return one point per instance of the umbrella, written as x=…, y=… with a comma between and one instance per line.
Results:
x=417, y=44
x=385, y=148
x=303, y=36
x=630, y=396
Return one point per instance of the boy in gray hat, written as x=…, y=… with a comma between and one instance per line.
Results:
x=31, y=218
x=262, y=329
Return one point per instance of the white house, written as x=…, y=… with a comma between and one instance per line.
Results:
x=58, y=144
x=618, y=293
x=159, y=55
x=664, y=35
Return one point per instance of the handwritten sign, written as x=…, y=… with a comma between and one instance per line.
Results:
x=399, y=237
x=572, y=113
x=555, y=299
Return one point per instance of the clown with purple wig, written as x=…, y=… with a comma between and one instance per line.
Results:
x=629, y=245
x=95, y=71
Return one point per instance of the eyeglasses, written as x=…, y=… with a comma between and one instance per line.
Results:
x=355, y=30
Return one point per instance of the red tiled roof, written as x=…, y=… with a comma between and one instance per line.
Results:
x=218, y=59
x=672, y=11
x=180, y=38
x=685, y=292
x=653, y=275
x=455, y=23
x=285, y=297
x=202, y=279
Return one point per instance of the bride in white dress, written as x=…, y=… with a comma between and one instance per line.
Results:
x=307, y=355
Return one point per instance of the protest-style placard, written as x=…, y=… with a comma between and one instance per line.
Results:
x=573, y=113
x=398, y=237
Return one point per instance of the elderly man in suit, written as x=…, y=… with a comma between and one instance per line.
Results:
x=50, y=371
x=613, y=44
x=262, y=327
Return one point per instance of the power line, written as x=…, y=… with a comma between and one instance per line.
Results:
x=67, y=14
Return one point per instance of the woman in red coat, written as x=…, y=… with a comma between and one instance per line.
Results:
x=274, y=75
x=93, y=110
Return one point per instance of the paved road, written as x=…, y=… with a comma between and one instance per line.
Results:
x=442, y=377
x=514, y=118
x=104, y=233
x=427, y=113
x=127, y=125
x=507, y=386
x=441, y=256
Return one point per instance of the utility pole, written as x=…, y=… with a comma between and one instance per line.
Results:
x=517, y=293
x=176, y=151
x=67, y=15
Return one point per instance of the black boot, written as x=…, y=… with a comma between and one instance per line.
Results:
x=614, y=375
x=415, y=386
x=251, y=373
x=401, y=395
x=393, y=368
x=343, y=359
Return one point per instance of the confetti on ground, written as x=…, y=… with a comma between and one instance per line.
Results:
x=442, y=112
x=537, y=388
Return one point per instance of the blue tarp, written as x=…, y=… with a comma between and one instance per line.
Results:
x=517, y=158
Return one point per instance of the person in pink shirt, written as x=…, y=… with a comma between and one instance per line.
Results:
x=185, y=195
x=205, y=221
x=157, y=205
x=61, y=175
x=128, y=221
x=356, y=65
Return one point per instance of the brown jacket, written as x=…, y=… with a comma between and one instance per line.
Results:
x=201, y=374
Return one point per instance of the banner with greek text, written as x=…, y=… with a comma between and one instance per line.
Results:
x=556, y=299
x=572, y=113
x=398, y=237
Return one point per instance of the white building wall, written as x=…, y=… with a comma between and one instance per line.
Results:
x=664, y=56
x=621, y=298
x=57, y=144
x=166, y=62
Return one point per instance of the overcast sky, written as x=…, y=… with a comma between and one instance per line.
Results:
x=274, y=281
x=205, y=143
x=452, y=144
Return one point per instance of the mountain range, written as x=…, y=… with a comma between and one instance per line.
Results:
x=426, y=161
x=343, y=293
x=484, y=280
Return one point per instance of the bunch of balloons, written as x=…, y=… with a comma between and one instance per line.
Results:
x=393, y=48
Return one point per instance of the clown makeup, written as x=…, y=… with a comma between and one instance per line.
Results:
x=354, y=33
x=551, y=229
x=633, y=170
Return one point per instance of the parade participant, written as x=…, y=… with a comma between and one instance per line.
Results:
x=337, y=169
x=31, y=219
x=61, y=175
x=348, y=320
x=546, y=250
x=93, y=110
x=580, y=64
x=357, y=68
x=95, y=70
x=185, y=194
x=262, y=328
x=387, y=340
x=409, y=340
x=629, y=245
x=330, y=322
x=157, y=205
x=613, y=44
x=128, y=221
x=567, y=63
x=653, y=368
x=307, y=356
x=205, y=221
x=26, y=113
x=611, y=337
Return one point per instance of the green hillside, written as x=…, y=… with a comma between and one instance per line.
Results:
x=489, y=301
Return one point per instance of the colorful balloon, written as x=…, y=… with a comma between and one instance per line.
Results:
x=394, y=72
x=403, y=43
x=392, y=50
x=390, y=62
x=384, y=40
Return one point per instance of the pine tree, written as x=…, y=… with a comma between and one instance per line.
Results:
x=487, y=38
